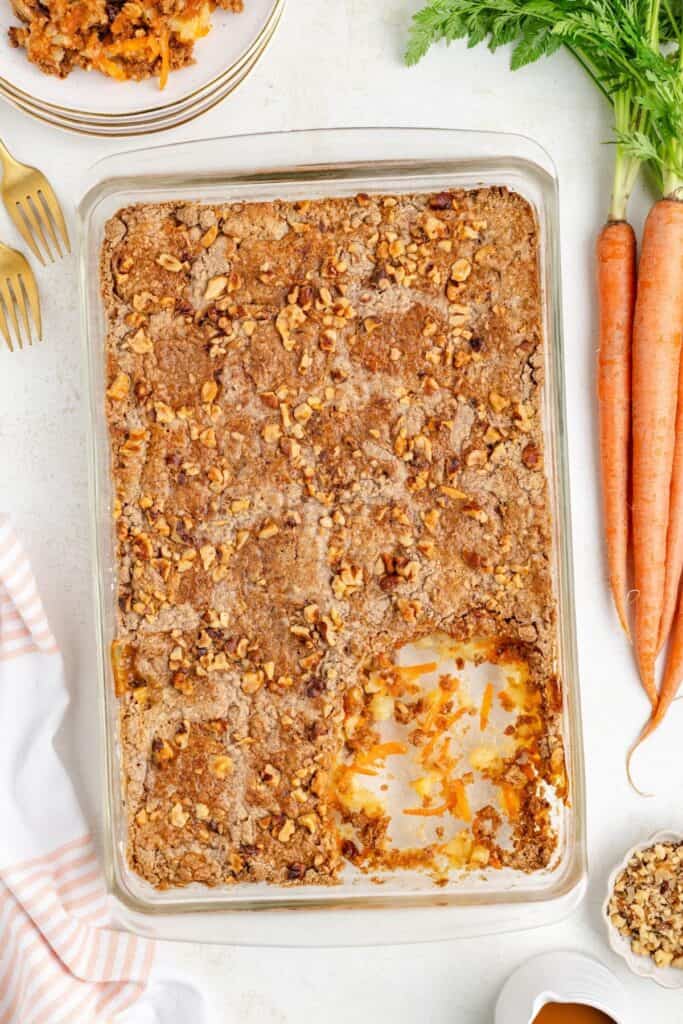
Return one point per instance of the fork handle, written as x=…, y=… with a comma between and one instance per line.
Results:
x=6, y=157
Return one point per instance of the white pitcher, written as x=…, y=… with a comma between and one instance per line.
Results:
x=561, y=977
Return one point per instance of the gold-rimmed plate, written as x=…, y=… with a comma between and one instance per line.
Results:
x=233, y=43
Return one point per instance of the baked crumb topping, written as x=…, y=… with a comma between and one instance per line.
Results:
x=326, y=438
x=124, y=39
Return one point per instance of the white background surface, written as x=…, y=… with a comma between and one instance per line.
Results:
x=340, y=64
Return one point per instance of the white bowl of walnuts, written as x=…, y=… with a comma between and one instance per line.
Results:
x=643, y=910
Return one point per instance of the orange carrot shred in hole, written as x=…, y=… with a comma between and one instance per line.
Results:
x=381, y=750
x=459, y=802
x=415, y=671
x=510, y=799
x=486, y=706
x=427, y=812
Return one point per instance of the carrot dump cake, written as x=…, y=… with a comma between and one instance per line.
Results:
x=123, y=39
x=327, y=450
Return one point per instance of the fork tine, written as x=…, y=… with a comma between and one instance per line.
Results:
x=26, y=207
x=4, y=329
x=17, y=288
x=8, y=299
x=50, y=199
x=40, y=208
x=31, y=290
x=20, y=224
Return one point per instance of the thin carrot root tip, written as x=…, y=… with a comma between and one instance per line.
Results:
x=645, y=732
x=623, y=622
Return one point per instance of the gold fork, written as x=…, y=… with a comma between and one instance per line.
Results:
x=17, y=284
x=33, y=206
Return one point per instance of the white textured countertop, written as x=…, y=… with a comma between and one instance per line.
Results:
x=332, y=65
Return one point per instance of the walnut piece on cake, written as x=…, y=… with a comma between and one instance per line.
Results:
x=326, y=442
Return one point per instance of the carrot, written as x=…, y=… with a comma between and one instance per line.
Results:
x=510, y=800
x=427, y=812
x=674, y=540
x=656, y=359
x=673, y=674
x=616, y=257
x=486, y=703
x=165, y=58
x=408, y=672
x=458, y=801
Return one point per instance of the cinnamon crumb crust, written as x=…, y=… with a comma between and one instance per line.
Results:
x=326, y=442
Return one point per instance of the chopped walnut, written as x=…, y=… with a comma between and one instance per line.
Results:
x=646, y=905
x=215, y=287
x=169, y=262
x=119, y=387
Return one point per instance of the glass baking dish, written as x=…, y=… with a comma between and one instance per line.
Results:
x=312, y=164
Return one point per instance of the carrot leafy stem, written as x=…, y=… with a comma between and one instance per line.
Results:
x=632, y=50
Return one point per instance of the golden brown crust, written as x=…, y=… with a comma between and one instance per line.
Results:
x=326, y=442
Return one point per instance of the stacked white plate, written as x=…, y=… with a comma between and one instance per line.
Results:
x=92, y=104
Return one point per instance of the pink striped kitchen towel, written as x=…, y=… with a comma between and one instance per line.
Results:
x=60, y=963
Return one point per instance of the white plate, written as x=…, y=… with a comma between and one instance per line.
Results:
x=232, y=36
x=144, y=122
x=644, y=966
x=120, y=129
x=163, y=120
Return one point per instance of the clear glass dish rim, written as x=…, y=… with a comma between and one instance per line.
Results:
x=102, y=185
x=18, y=96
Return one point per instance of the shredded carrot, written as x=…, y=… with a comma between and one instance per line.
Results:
x=458, y=800
x=382, y=750
x=428, y=748
x=110, y=68
x=486, y=706
x=511, y=802
x=378, y=752
x=427, y=812
x=144, y=46
x=437, y=699
x=415, y=671
x=165, y=59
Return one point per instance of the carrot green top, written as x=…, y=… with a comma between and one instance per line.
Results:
x=630, y=48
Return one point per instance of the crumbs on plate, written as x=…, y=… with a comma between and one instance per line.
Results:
x=124, y=39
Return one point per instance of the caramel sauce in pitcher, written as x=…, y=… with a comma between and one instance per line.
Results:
x=571, y=1013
